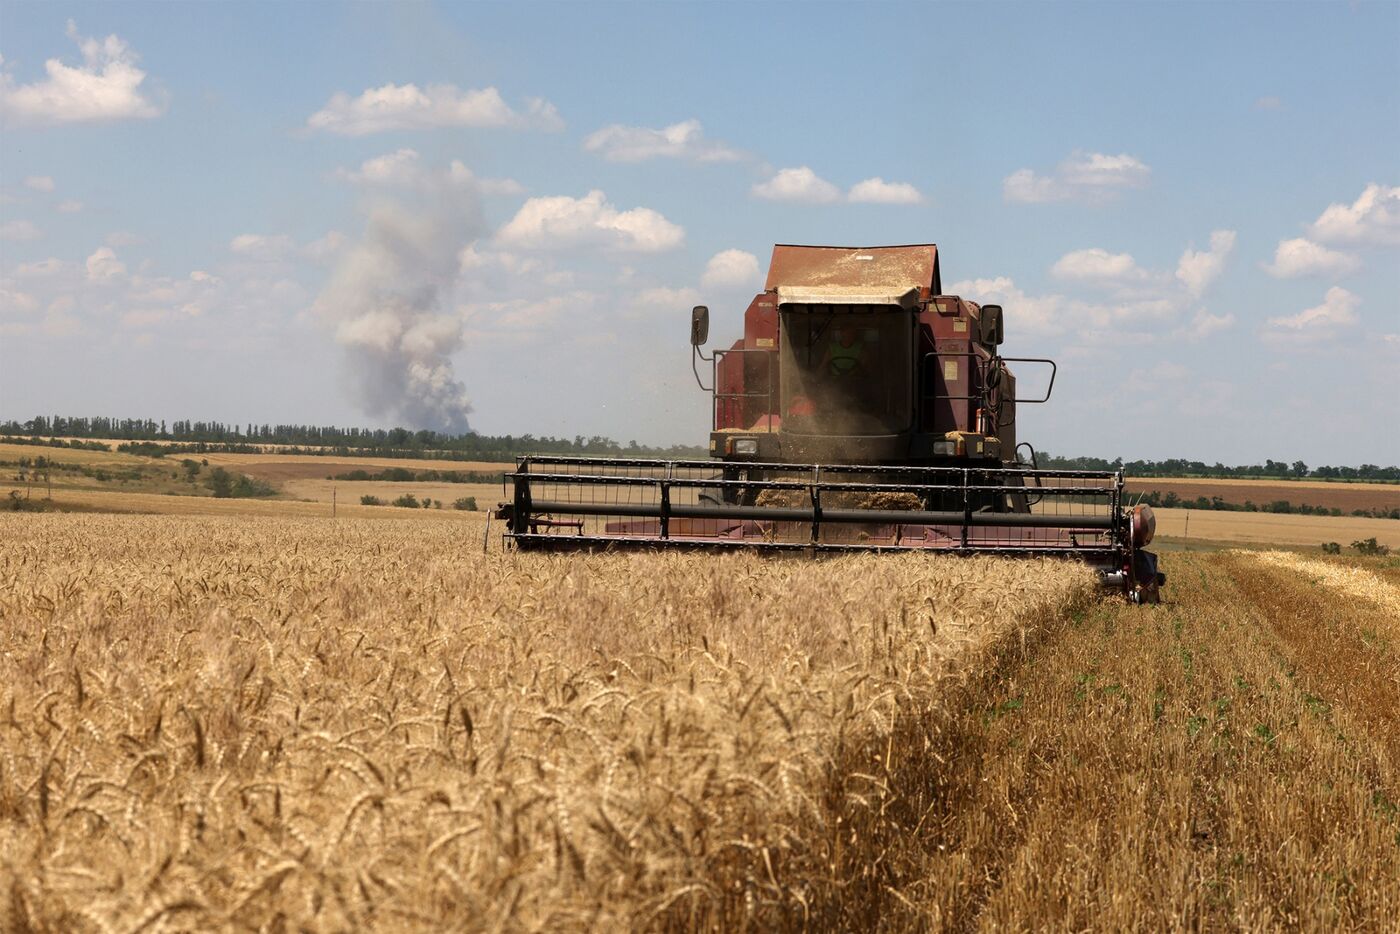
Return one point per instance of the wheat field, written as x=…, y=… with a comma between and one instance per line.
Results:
x=284, y=723
x=336, y=724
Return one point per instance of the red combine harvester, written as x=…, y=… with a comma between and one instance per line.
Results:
x=863, y=410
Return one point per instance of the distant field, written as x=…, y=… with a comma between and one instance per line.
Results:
x=1343, y=496
x=350, y=491
x=1263, y=528
x=311, y=466
x=121, y=501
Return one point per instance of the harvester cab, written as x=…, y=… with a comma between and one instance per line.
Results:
x=862, y=409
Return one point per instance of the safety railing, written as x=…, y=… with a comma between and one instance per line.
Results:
x=719, y=396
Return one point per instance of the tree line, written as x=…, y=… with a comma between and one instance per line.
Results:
x=1177, y=467
x=399, y=442
x=196, y=437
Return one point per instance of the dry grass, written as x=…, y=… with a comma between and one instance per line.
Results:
x=281, y=723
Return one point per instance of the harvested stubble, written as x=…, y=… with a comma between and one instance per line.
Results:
x=215, y=722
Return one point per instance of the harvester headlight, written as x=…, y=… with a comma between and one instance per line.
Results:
x=745, y=445
x=943, y=448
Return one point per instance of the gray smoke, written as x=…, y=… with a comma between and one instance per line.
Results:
x=388, y=304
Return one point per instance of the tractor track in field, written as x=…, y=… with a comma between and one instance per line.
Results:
x=1228, y=760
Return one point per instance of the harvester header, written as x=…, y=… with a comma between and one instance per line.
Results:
x=862, y=409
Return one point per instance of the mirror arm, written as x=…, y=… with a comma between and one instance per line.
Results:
x=695, y=356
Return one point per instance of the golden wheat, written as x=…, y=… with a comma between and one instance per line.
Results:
x=274, y=722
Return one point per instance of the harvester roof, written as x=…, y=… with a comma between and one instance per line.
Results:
x=877, y=270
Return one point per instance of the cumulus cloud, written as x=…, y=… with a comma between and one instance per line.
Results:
x=1268, y=103
x=1336, y=313
x=385, y=305
x=1096, y=322
x=878, y=191
x=69, y=207
x=14, y=303
x=732, y=269
x=324, y=248
x=42, y=269
x=39, y=183
x=404, y=169
x=20, y=230
x=685, y=140
x=665, y=302
x=1302, y=257
x=562, y=222
x=1373, y=219
x=394, y=168
x=797, y=184
x=103, y=265
x=409, y=107
x=1092, y=176
x=1203, y=324
x=1097, y=266
x=105, y=87
x=262, y=246
x=1197, y=269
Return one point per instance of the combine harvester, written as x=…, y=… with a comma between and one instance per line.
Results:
x=863, y=410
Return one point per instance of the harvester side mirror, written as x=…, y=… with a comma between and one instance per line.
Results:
x=699, y=325
x=992, y=334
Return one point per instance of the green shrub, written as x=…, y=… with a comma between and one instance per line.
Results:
x=467, y=503
x=368, y=500
x=408, y=501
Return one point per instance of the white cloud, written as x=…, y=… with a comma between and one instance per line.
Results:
x=562, y=222
x=1302, y=257
x=1024, y=313
x=1337, y=311
x=799, y=184
x=262, y=246
x=685, y=140
x=409, y=107
x=1372, y=219
x=393, y=168
x=20, y=230
x=42, y=269
x=1097, y=266
x=326, y=247
x=878, y=191
x=1268, y=103
x=403, y=169
x=69, y=207
x=666, y=301
x=1091, y=176
x=732, y=269
x=39, y=183
x=14, y=303
x=1096, y=322
x=1197, y=269
x=103, y=265
x=1203, y=324
x=459, y=174
x=105, y=87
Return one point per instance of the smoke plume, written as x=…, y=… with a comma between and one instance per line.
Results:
x=388, y=304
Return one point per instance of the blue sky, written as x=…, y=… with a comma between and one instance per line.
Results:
x=501, y=213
